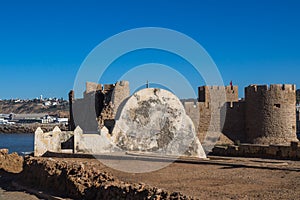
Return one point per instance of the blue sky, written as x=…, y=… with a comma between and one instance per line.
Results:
x=43, y=43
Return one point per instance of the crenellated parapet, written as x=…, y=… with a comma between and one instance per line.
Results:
x=218, y=93
x=263, y=89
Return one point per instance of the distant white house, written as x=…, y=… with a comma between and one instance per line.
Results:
x=62, y=120
x=47, y=119
x=47, y=103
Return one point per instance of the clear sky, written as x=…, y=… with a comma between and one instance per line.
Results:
x=43, y=43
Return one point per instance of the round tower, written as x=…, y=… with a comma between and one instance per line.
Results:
x=270, y=114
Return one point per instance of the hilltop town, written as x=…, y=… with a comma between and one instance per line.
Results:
x=24, y=116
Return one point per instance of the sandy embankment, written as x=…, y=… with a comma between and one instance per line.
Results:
x=76, y=180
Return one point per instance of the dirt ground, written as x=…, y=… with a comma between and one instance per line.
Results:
x=225, y=179
x=218, y=178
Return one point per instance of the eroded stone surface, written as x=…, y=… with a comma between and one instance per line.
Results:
x=154, y=120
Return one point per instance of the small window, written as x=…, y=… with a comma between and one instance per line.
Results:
x=277, y=105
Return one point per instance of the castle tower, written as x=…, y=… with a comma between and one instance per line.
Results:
x=212, y=105
x=270, y=114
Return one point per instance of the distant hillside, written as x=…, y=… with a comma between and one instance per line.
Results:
x=34, y=106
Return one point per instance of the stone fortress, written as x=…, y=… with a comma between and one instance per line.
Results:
x=266, y=115
x=108, y=119
x=151, y=120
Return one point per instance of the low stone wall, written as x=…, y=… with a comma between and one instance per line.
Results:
x=261, y=151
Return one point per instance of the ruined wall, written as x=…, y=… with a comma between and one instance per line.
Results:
x=99, y=106
x=120, y=93
x=270, y=114
x=53, y=141
x=92, y=87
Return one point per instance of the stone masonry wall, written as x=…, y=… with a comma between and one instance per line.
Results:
x=266, y=116
x=234, y=126
x=270, y=114
x=99, y=106
x=213, y=107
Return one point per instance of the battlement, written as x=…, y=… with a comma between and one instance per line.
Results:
x=218, y=87
x=122, y=83
x=230, y=92
x=272, y=87
x=92, y=87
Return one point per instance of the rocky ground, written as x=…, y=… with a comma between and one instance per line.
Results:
x=217, y=178
x=29, y=128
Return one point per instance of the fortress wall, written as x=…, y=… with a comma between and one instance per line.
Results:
x=99, y=105
x=192, y=110
x=218, y=93
x=267, y=116
x=119, y=94
x=212, y=108
x=92, y=87
x=204, y=120
x=270, y=114
x=234, y=126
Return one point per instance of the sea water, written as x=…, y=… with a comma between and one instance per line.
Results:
x=20, y=143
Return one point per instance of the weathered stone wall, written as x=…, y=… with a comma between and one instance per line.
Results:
x=53, y=141
x=213, y=94
x=192, y=110
x=266, y=116
x=120, y=93
x=291, y=151
x=154, y=120
x=93, y=143
x=270, y=114
x=234, y=126
x=85, y=115
x=99, y=106
x=214, y=120
x=92, y=87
